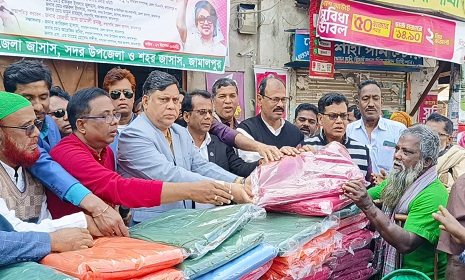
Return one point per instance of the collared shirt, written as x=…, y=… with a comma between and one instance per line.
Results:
x=358, y=152
x=383, y=142
x=248, y=156
x=44, y=131
x=203, y=149
x=226, y=122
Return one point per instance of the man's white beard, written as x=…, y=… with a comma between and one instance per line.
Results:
x=398, y=182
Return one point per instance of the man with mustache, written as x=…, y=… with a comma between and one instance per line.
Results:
x=451, y=161
x=412, y=188
x=23, y=206
x=58, y=101
x=380, y=135
x=306, y=119
x=269, y=127
x=33, y=80
x=333, y=119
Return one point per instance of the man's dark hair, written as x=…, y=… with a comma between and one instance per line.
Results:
x=262, y=85
x=306, y=107
x=435, y=117
x=183, y=92
x=330, y=99
x=25, y=72
x=158, y=80
x=366, y=83
x=59, y=92
x=187, y=102
x=78, y=105
x=357, y=113
x=223, y=82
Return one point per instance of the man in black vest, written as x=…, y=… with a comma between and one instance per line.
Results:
x=269, y=127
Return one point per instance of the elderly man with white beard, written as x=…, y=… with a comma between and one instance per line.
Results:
x=412, y=188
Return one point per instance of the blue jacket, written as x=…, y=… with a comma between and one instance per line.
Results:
x=18, y=247
x=143, y=152
x=49, y=172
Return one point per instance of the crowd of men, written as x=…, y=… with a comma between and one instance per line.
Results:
x=74, y=168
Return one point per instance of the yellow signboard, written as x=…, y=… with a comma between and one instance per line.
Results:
x=452, y=8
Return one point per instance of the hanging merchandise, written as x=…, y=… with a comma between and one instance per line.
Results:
x=197, y=231
x=31, y=271
x=304, y=176
x=235, y=246
x=115, y=258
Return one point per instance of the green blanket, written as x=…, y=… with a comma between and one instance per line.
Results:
x=348, y=211
x=30, y=271
x=197, y=231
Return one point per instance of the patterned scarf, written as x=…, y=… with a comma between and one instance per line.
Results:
x=382, y=247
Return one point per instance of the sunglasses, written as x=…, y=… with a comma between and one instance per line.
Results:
x=209, y=19
x=115, y=94
x=60, y=113
x=29, y=128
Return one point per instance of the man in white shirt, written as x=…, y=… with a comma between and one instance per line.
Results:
x=22, y=196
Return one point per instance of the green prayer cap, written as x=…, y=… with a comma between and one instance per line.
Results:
x=11, y=102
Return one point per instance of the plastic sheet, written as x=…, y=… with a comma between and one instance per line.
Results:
x=30, y=271
x=355, y=268
x=258, y=272
x=235, y=246
x=358, y=275
x=348, y=211
x=354, y=227
x=289, y=232
x=351, y=220
x=322, y=206
x=323, y=274
x=243, y=265
x=349, y=260
x=197, y=231
x=115, y=258
x=355, y=241
x=308, y=260
x=304, y=176
x=165, y=274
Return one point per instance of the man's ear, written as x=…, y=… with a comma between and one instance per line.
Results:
x=259, y=100
x=428, y=163
x=80, y=126
x=185, y=116
x=145, y=102
x=320, y=119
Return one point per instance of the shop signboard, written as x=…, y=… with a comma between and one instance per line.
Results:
x=321, y=51
x=388, y=29
x=155, y=33
x=429, y=106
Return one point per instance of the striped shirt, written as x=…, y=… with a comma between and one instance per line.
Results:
x=359, y=153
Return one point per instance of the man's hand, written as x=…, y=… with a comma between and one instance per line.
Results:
x=268, y=153
x=450, y=224
x=109, y=222
x=240, y=193
x=70, y=239
x=308, y=148
x=210, y=192
x=92, y=227
x=379, y=178
x=289, y=151
x=357, y=192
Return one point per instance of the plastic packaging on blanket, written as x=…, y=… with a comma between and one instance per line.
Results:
x=354, y=227
x=356, y=267
x=322, y=206
x=351, y=220
x=30, y=271
x=115, y=258
x=258, y=272
x=197, y=231
x=235, y=246
x=304, y=176
x=357, y=275
x=349, y=260
x=355, y=241
x=165, y=274
x=308, y=260
x=289, y=232
x=244, y=264
x=348, y=211
x=323, y=274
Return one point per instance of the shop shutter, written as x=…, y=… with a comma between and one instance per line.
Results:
x=393, y=86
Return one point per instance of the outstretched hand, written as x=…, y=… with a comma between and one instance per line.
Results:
x=450, y=224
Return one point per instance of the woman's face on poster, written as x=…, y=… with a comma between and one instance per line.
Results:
x=205, y=23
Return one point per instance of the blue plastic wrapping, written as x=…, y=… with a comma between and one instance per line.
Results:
x=241, y=266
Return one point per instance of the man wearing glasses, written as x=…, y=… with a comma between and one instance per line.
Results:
x=269, y=127
x=57, y=110
x=333, y=119
x=33, y=80
x=451, y=160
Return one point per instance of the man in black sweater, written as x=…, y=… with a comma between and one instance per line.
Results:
x=269, y=127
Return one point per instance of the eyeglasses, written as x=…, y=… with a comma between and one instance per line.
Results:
x=115, y=94
x=209, y=19
x=29, y=128
x=443, y=134
x=334, y=116
x=276, y=100
x=60, y=113
x=108, y=118
x=203, y=112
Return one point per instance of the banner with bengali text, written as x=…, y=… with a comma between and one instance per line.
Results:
x=182, y=34
x=383, y=28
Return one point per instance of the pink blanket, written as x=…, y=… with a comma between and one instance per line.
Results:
x=305, y=176
x=352, y=220
x=322, y=206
